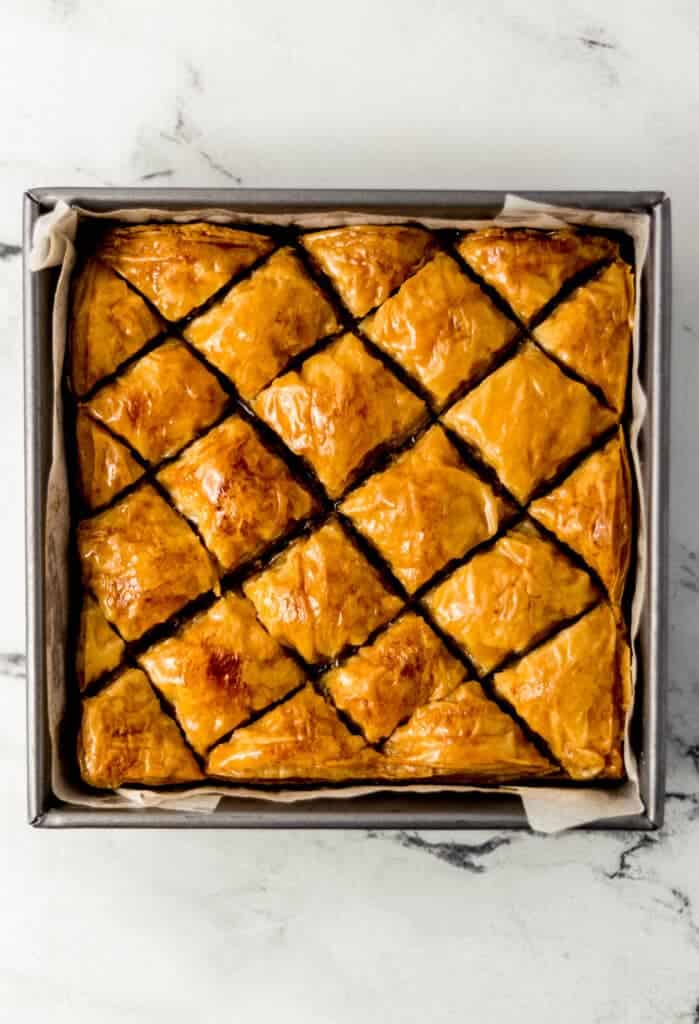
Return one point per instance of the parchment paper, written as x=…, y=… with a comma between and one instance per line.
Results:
x=548, y=808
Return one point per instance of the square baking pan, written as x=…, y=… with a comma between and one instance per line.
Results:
x=381, y=810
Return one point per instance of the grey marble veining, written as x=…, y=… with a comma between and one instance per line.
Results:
x=335, y=927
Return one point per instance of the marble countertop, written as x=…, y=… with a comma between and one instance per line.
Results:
x=338, y=927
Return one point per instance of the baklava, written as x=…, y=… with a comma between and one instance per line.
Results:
x=354, y=505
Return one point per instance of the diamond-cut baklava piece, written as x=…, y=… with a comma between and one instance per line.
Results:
x=427, y=508
x=125, y=736
x=464, y=734
x=527, y=267
x=142, y=562
x=180, y=266
x=574, y=691
x=507, y=598
x=384, y=682
x=321, y=595
x=100, y=648
x=367, y=262
x=300, y=739
x=261, y=323
x=240, y=495
x=591, y=513
x=528, y=419
x=161, y=402
x=591, y=331
x=220, y=668
x=105, y=465
x=441, y=327
x=109, y=323
x=338, y=409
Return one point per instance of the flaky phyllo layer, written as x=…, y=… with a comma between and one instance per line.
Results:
x=352, y=504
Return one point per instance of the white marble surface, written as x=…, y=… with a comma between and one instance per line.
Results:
x=339, y=927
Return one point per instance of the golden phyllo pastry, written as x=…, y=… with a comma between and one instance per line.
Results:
x=220, y=668
x=261, y=323
x=527, y=267
x=100, y=648
x=179, y=266
x=427, y=508
x=591, y=513
x=125, y=736
x=142, y=562
x=300, y=739
x=467, y=735
x=528, y=419
x=367, y=262
x=338, y=409
x=507, y=598
x=105, y=465
x=161, y=402
x=240, y=496
x=574, y=691
x=591, y=331
x=441, y=327
x=321, y=595
x=384, y=682
x=109, y=323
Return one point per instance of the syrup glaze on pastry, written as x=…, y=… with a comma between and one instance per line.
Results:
x=527, y=267
x=180, y=266
x=321, y=595
x=508, y=597
x=262, y=322
x=100, y=648
x=591, y=513
x=574, y=691
x=240, y=496
x=385, y=681
x=220, y=668
x=109, y=323
x=338, y=408
x=105, y=465
x=527, y=419
x=142, y=562
x=441, y=327
x=367, y=262
x=161, y=402
x=125, y=736
x=425, y=509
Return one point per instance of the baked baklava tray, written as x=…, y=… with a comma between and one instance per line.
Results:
x=352, y=508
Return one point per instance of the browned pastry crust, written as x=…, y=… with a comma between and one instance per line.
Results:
x=261, y=323
x=338, y=408
x=527, y=419
x=321, y=595
x=591, y=331
x=239, y=494
x=142, y=562
x=367, y=262
x=109, y=323
x=125, y=736
x=467, y=735
x=425, y=509
x=507, y=598
x=105, y=465
x=161, y=402
x=300, y=739
x=528, y=268
x=441, y=327
x=180, y=266
x=574, y=691
x=219, y=669
x=591, y=512
x=384, y=682
x=100, y=648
